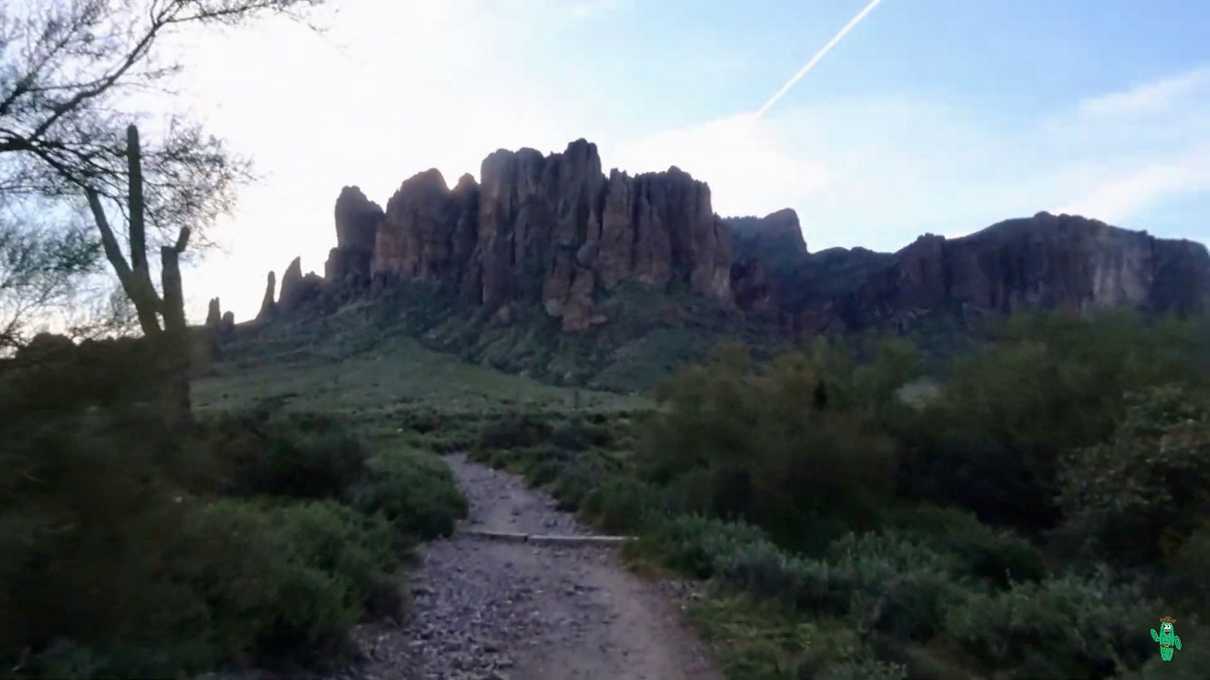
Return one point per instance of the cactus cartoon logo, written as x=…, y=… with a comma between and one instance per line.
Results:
x=1170, y=642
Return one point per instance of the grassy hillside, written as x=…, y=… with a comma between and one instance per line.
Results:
x=401, y=375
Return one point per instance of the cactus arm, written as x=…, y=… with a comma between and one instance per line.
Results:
x=1154, y=635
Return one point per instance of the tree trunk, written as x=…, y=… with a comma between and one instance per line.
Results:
x=138, y=288
x=175, y=348
x=171, y=342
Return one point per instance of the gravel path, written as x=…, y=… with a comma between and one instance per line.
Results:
x=515, y=611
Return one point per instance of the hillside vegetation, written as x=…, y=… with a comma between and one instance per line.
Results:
x=257, y=537
x=1029, y=519
x=1027, y=509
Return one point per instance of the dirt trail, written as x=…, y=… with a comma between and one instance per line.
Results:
x=493, y=610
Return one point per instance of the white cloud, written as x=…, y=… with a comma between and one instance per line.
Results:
x=876, y=171
x=392, y=89
x=1123, y=195
x=1154, y=97
x=586, y=8
x=746, y=165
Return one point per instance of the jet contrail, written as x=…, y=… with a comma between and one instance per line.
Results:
x=815, y=59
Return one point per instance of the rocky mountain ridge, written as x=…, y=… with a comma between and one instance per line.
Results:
x=555, y=234
x=549, y=230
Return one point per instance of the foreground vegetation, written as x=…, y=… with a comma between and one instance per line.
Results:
x=1026, y=510
x=257, y=538
x=1031, y=516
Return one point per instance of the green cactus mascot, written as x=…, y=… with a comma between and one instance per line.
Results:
x=1169, y=641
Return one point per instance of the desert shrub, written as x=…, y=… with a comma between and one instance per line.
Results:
x=54, y=375
x=762, y=569
x=115, y=560
x=303, y=456
x=1149, y=485
x=514, y=431
x=1043, y=385
x=995, y=555
x=1063, y=627
x=881, y=582
x=1189, y=568
x=414, y=490
x=268, y=587
x=693, y=543
x=180, y=587
x=623, y=504
x=81, y=522
x=833, y=648
x=576, y=482
x=784, y=449
x=543, y=472
x=887, y=582
x=1189, y=664
x=579, y=434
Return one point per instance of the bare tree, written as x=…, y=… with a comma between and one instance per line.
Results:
x=67, y=70
x=67, y=132
x=40, y=268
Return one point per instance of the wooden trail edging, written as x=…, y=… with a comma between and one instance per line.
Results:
x=513, y=537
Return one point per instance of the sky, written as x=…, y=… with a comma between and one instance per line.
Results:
x=937, y=116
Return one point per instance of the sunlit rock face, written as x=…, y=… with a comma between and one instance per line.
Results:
x=552, y=230
x=556, y=233
x=1063, y=262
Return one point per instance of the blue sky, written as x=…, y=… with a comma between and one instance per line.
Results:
x=937, y=116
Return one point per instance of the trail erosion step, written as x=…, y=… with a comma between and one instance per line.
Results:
x=517, y=537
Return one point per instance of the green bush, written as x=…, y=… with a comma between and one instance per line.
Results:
x=414, y=490
x=994, y=555
x=303, y=456
x=514, y=431
x=1149, y=485
x=693, y=544
x=623, y=504
x=886, y=582
x=1189, y=664
x=1189, y=567
x=543, y=472
x=115, y=560
x=1058, y=628
x=762, y=569
x=270, y=589
x=576, y=482
x=1043, y=385
x=787, y=448
x=579, y=434
x=185, y=587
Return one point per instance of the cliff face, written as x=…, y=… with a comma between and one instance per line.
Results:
x=554, y=232
x=1060, y=262
x=539, y=229
x=357, y=223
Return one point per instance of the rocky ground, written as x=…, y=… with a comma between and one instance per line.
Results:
x=511, y=610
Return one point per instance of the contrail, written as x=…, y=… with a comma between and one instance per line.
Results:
x=815, y=59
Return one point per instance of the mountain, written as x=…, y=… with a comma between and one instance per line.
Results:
x=1058, y=262
x=549, y=230
x=551, y=267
